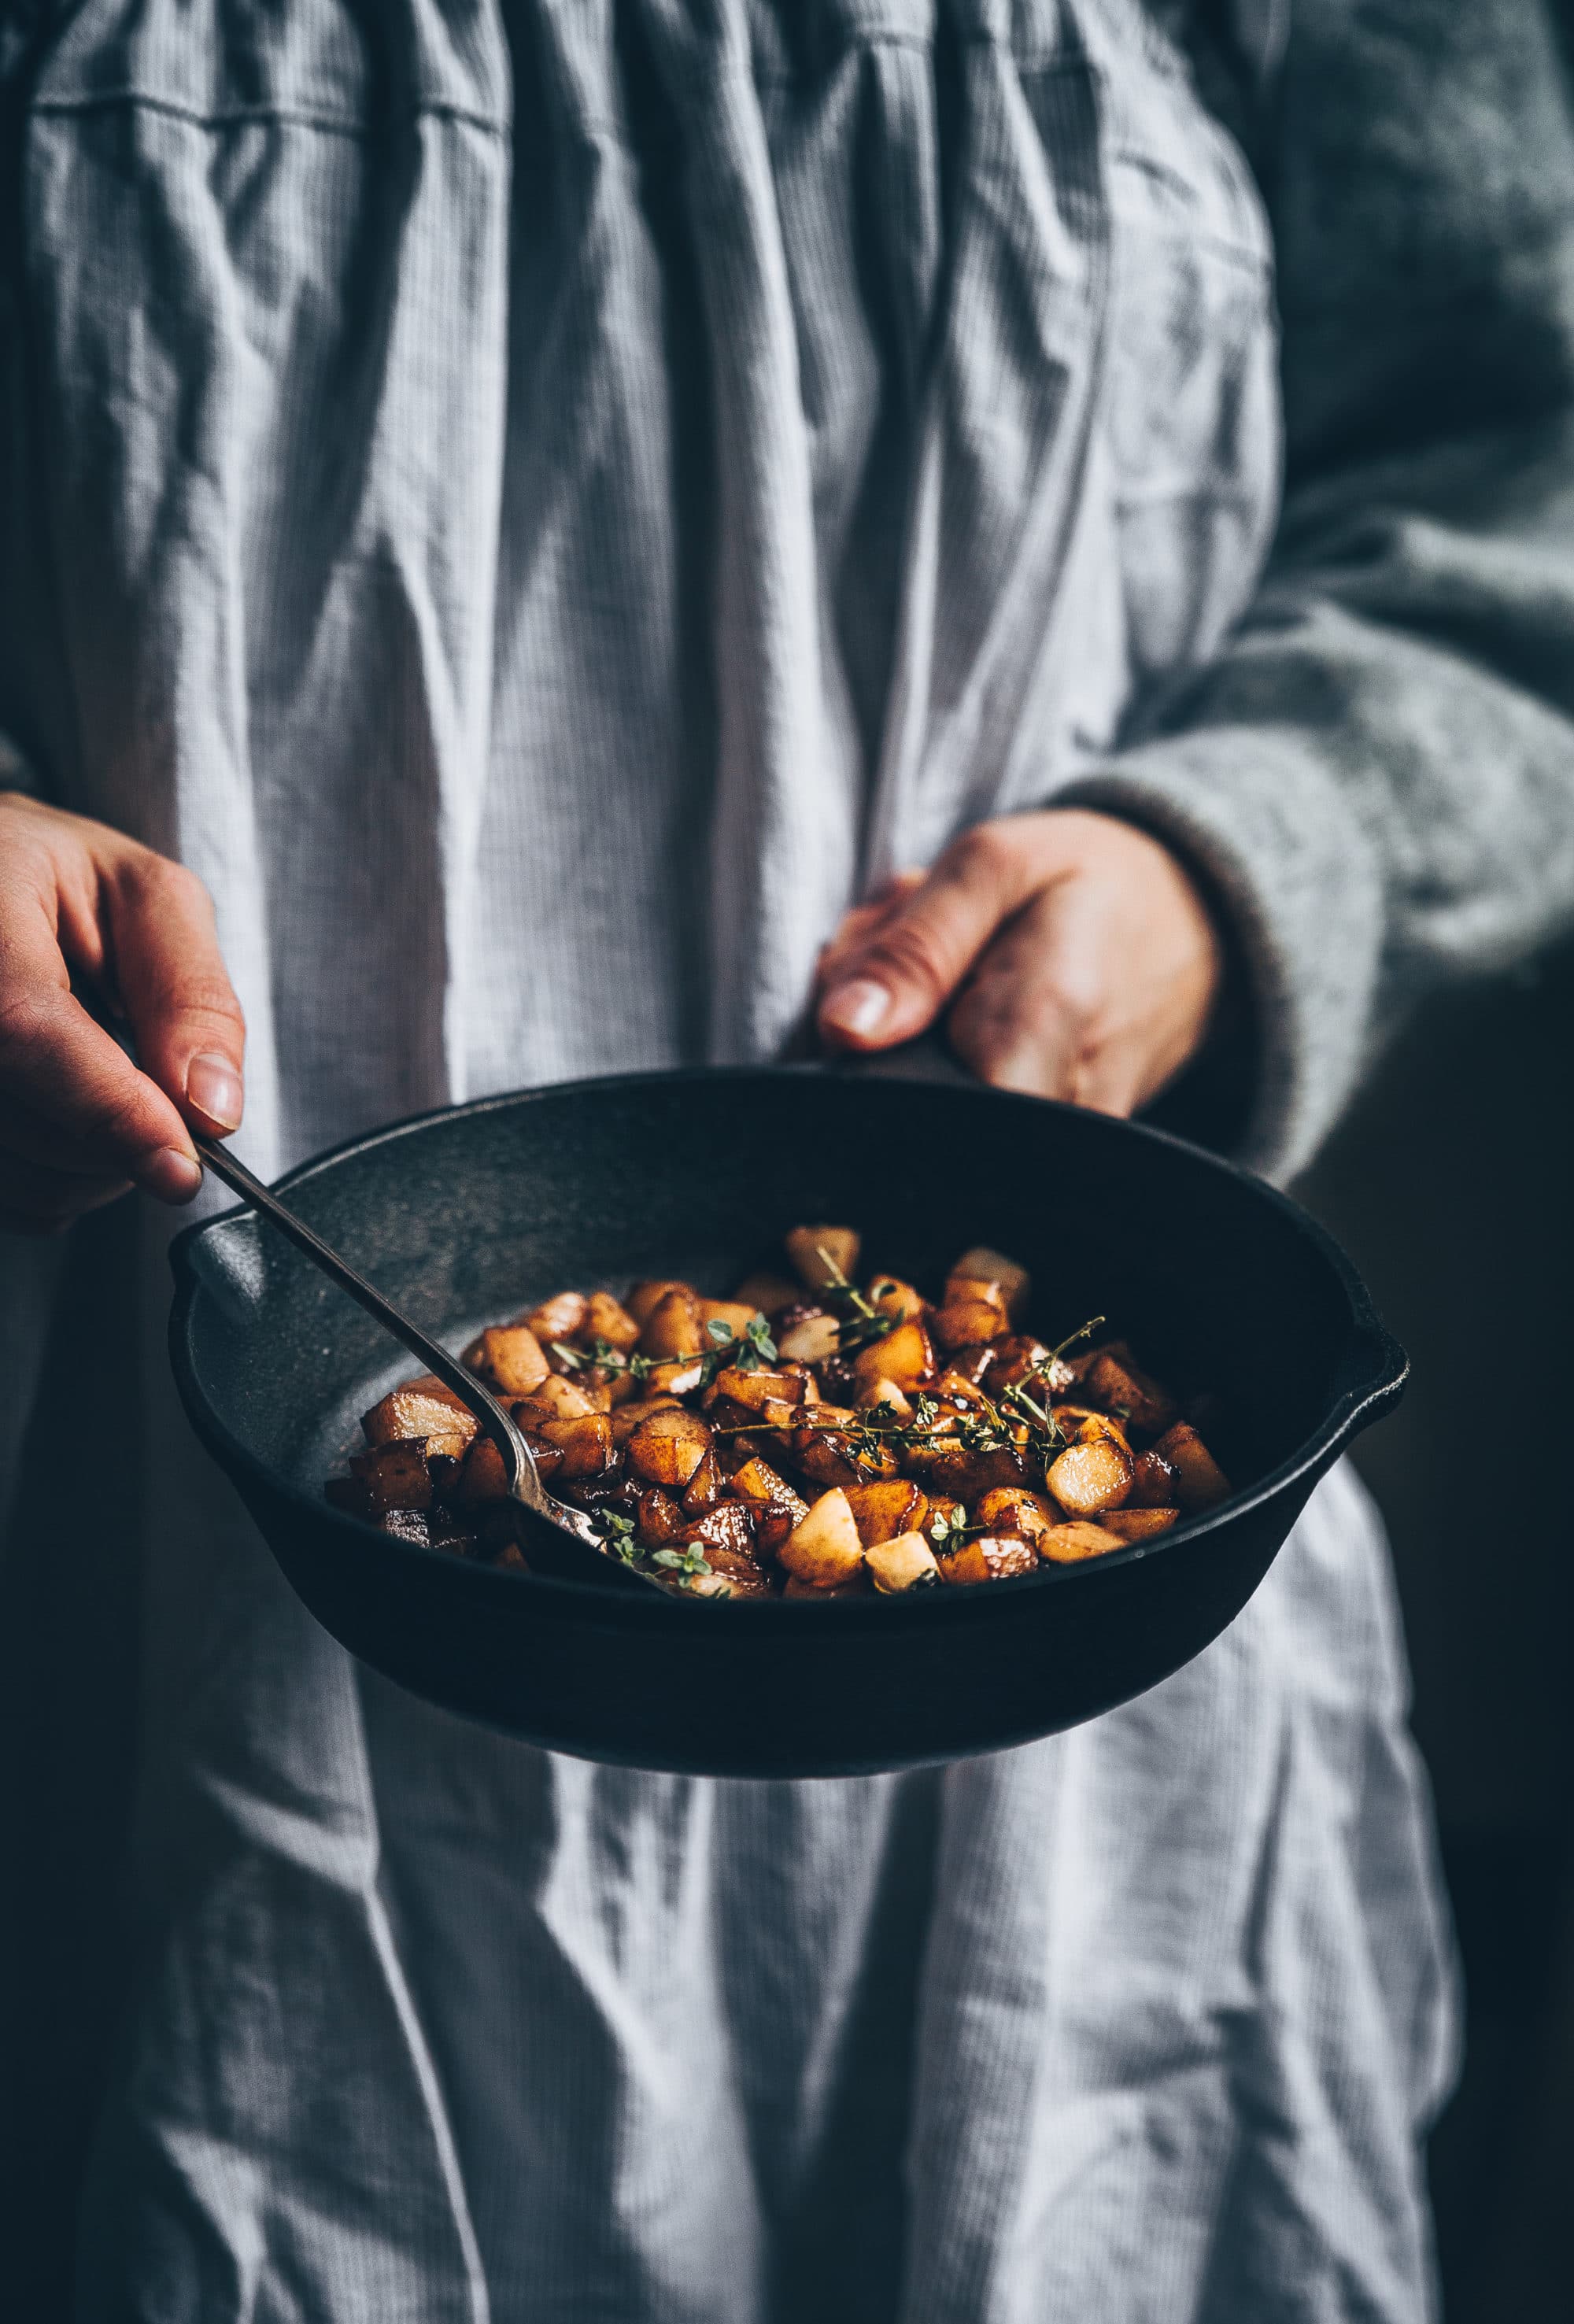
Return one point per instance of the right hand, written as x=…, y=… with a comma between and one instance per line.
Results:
x=78, y=1122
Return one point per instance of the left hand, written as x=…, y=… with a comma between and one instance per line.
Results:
x=1070, y=956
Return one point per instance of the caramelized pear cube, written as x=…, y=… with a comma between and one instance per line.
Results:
x=906, y=1561
x=821, y=1254
x=1199, y=1483
x=667, y=1448
x=824, y=1548
x=1086, y=1478
x=1138, y=1525
x=508, y=1358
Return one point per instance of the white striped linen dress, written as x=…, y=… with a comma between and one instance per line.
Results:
x=541, y=501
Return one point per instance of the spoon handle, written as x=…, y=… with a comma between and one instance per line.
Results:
x=498, y=1424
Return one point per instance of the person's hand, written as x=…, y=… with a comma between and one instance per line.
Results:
x=1069, y=954
x=78, y=1122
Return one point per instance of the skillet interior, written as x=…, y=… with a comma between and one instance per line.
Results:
x=475, y=1213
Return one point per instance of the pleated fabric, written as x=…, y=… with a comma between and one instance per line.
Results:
x=543, y=502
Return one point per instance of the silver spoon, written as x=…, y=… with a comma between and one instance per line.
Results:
x=524, y=1484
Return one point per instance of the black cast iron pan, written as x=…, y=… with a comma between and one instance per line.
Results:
x=469, y=1214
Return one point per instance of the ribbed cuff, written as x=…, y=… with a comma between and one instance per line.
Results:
x=1273, y=839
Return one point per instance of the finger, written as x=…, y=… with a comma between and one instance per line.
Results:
x=1034, y=1015
x=64, y=1069
x=191, y=1035
x=26, y=1136
x=861, y=922
x=34, y=1201
x=893, y=986
x=1010, y=1023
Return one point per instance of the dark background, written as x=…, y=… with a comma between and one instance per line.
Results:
x=1450, y=1186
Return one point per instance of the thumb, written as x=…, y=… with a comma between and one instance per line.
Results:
x=893, y=984
x=190, y=1034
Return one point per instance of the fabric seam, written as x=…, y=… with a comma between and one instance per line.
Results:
x=342, y=124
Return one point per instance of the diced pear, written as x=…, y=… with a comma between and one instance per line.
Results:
x=812, y=1340
x=820, y=1253
x=826, y=1451
x=508, y=1358
x=998, y=1558
x=904, y=1357
x=982, y=1265
x=644, y=1298
x=395, y=1476
x=705, y=1487
x=1012, y=1508
x=702, y=1585
x=1199, y=1483
x=667, y=1448
x=628, y=1417
x=776, y=1508
x=892, y=1297
x=1086, y=1478
x=1138, y=1525
x=883, y=1511
x=418, y=1407
x=557, y=1398
x=969, y=1322
x=1153, y=1484
x=752, y=1391
x=731, y=1312
x=885, y=1397
x=584, y=1439
x=661, y=1520
x=1068, y=1544
x=729, y=1526
x=906, y=1563
x=561, y=1317
x=1128, y=1391
x=608, y=1319
x=672, y=1326
x=744, y=1576
x=482, y=1479
x=823, y=1549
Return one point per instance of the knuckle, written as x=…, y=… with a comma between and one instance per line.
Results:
x=913, y=955
x=985, y=855
x=984, y=1038
x=1073, y=991
x=160, y=879
x=210, y=1000
x=26, y=1020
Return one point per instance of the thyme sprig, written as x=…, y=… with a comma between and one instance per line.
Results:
x=947, y=1533
x=684, y=1564
x=1083, y=1332
x=859, y=1325
x=992, y=1425
x=746, y=1352
x=1043, y=1374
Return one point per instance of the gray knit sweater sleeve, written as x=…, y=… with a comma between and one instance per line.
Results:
x=1377, y=772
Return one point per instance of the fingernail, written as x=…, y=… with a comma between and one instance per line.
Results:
x=171, y=1175
x=214, y=1088
x=857, y=1007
